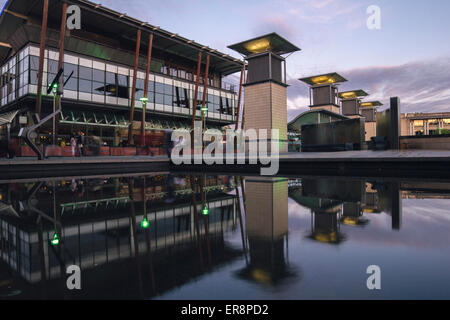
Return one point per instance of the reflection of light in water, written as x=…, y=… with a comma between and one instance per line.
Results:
x=261, y=276
x=326, y=237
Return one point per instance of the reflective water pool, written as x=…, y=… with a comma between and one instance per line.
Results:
x=164, y=236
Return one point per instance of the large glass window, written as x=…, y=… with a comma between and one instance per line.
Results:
x=181, y=97
x=122, y=87
x=85, y=73
x=85, y=86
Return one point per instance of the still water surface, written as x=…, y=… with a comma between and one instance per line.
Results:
x=221, y=237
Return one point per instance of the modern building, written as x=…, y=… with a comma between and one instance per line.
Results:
x=100, y=95
x=368, y=111
x=413, y=124
x=324, y=104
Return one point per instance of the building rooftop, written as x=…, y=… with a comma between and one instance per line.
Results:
x=105, y=23
x=270, y=42
x=353, y=94
x=323, y=79
x=371, y=104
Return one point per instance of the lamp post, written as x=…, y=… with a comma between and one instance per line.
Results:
x=144, y=101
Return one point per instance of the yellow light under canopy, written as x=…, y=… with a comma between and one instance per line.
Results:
x=258, y=46
x=353, y=94
x=332, y=77
x=369, y=104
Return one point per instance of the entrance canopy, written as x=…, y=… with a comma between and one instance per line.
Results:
x=7, y=117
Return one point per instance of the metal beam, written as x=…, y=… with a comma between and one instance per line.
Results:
x=133, y=88
x=239, y=98
x=243, y=108
x=205, y=86
x=194, y=105
x=62, y=34
x=147, y=75
x=41, y=57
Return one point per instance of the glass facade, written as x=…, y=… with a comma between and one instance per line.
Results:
x=100, y=82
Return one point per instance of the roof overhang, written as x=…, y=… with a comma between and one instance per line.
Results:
x=328, y=78
x=353, y=94
x=371, y=104
x=109, y=23
x=271, y=42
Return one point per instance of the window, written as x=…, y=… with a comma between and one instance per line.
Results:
x=85, y=73
x=111, y=85
x=122, y=86
x=159, y=98
x=85, y=86
x=52, y=66
x=98, y=76
x=139, y=92
x=72, y=84
x=69, y=68
x=34, y=63
x=181, y=97
x=98, y=88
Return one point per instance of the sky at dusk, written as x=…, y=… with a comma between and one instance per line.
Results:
x=408, y=57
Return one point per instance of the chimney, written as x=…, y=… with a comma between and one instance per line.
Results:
x=323, y=91
x=265, y=104
x=368, y=110
x=351, y=102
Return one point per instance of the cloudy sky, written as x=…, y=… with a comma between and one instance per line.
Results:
x=408, y=57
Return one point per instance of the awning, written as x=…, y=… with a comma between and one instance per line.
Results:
x=87, y=118
x=109, y=119
x=6, y=209
x=7, y=117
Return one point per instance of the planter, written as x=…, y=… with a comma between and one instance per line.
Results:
x=128, y=151
x=67, y=151
x=26, y=151
x=53, y=151
x=116, y=151
x=104, y=151
x=142, y=151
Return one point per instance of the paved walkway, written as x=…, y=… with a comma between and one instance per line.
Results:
x=76, y=160
x=391, y=155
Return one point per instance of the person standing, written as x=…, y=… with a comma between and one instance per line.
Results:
x=168, y=143
x=73, y=144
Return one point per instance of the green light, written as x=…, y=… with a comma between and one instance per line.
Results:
x=55, y=240
x=55, y=87
x=205, y=211
x=144, y=100
x=145, y=224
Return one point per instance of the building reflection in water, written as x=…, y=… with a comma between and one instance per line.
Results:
x=99, y=226
x=266, y=217
x=335, y=201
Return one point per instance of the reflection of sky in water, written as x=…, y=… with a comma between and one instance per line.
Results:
x=414, y=260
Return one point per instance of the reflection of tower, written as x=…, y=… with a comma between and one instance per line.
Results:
x=267, y=229
x=352, y=214
x=325, y=225
x=265, y=93
x=390, y=200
